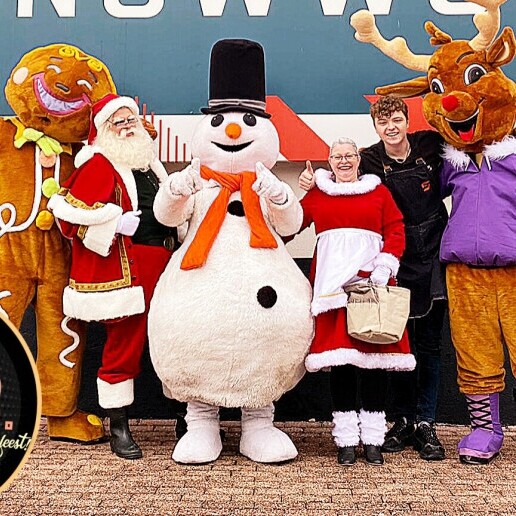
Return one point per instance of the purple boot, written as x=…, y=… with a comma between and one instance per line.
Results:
x=484, y=442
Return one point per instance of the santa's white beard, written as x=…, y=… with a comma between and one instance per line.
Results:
x=136, y=151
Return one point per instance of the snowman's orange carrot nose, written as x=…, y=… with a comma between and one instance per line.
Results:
x=233, y=131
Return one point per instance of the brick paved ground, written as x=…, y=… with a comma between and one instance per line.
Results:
x=66, y=479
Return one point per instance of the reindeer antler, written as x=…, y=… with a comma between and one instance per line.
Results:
x=487, y=23
x=437, y=36
x=367, y=32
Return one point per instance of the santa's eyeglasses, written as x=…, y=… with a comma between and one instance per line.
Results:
x=121, y=122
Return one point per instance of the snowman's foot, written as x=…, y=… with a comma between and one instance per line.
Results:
x=261, y=441
x=201, y=443
x=198, y=446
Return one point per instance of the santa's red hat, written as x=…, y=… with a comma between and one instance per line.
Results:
x=104, y=108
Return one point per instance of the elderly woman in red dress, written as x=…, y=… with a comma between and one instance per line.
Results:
x=360, y=237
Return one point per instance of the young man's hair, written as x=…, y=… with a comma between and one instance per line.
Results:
x=384, y=107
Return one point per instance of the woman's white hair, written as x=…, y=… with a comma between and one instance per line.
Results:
x=342, y=141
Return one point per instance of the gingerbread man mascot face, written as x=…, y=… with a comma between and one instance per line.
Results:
x=51, y=91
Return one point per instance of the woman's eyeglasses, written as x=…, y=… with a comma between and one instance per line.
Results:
x=346, y=157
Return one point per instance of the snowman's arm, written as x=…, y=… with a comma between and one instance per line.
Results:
x=170, y=209
x=286, y=219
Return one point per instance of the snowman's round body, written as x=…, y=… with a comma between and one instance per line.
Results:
x=233, y=332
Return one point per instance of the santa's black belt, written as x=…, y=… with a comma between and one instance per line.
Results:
x=167, y=242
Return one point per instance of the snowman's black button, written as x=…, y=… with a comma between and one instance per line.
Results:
x=236, y=208
x=267, y=297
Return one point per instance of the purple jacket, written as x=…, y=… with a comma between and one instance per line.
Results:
x=482, y=226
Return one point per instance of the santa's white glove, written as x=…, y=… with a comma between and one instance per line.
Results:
x=268, y=186
x=306, y=180
x=380, y=275
x=188, y=181
x=128, y=223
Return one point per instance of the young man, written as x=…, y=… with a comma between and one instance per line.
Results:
x=409, y=165
x=119, y=249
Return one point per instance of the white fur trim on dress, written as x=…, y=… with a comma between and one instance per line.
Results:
x=115, y=395
x=373, y=427
x=364, y=184
x=63, y=210
x=345, y=429
x=101, y=306
x=389, y=260
x=343, y=356
x=99, y=238
x=112, y=107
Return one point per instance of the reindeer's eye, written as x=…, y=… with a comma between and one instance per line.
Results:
x=437, y=86
x=473, y=73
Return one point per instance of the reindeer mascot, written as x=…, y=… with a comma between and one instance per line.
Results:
x=473, y=106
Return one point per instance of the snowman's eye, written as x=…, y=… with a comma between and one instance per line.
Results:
x=217, y=120
x=249, y=120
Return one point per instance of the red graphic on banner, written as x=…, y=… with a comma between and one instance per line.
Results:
x=298, y=142
x=417, y=121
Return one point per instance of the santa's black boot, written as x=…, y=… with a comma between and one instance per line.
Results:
x=121, y=440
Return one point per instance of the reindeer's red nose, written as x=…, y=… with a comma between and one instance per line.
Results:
x=450, y=102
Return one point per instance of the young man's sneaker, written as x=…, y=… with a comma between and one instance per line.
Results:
x=399, y=436
x=427, y=443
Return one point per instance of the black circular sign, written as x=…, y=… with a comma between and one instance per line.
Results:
x=20, y=402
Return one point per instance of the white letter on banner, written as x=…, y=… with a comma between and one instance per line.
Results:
x=64, y=8
x=257, y=7
x=379, y=6
x=149, y=10
x=452, y=8
x=336, y=7
x=216, y=7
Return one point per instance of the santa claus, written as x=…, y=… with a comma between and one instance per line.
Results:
x=119, y=249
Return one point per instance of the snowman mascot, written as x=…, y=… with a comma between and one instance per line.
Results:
x=229, y=322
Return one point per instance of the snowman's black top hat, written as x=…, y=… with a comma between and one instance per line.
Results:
x=237, y=78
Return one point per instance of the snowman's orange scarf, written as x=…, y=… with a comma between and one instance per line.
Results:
x=261, y=237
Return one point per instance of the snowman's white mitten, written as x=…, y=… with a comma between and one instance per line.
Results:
x=261, y=441
x=202, y=442
x=188, y=181
x=268, y=186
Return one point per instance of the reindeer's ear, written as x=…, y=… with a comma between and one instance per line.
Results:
x=437, y=36
x=503, y=49
x=412, y=88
